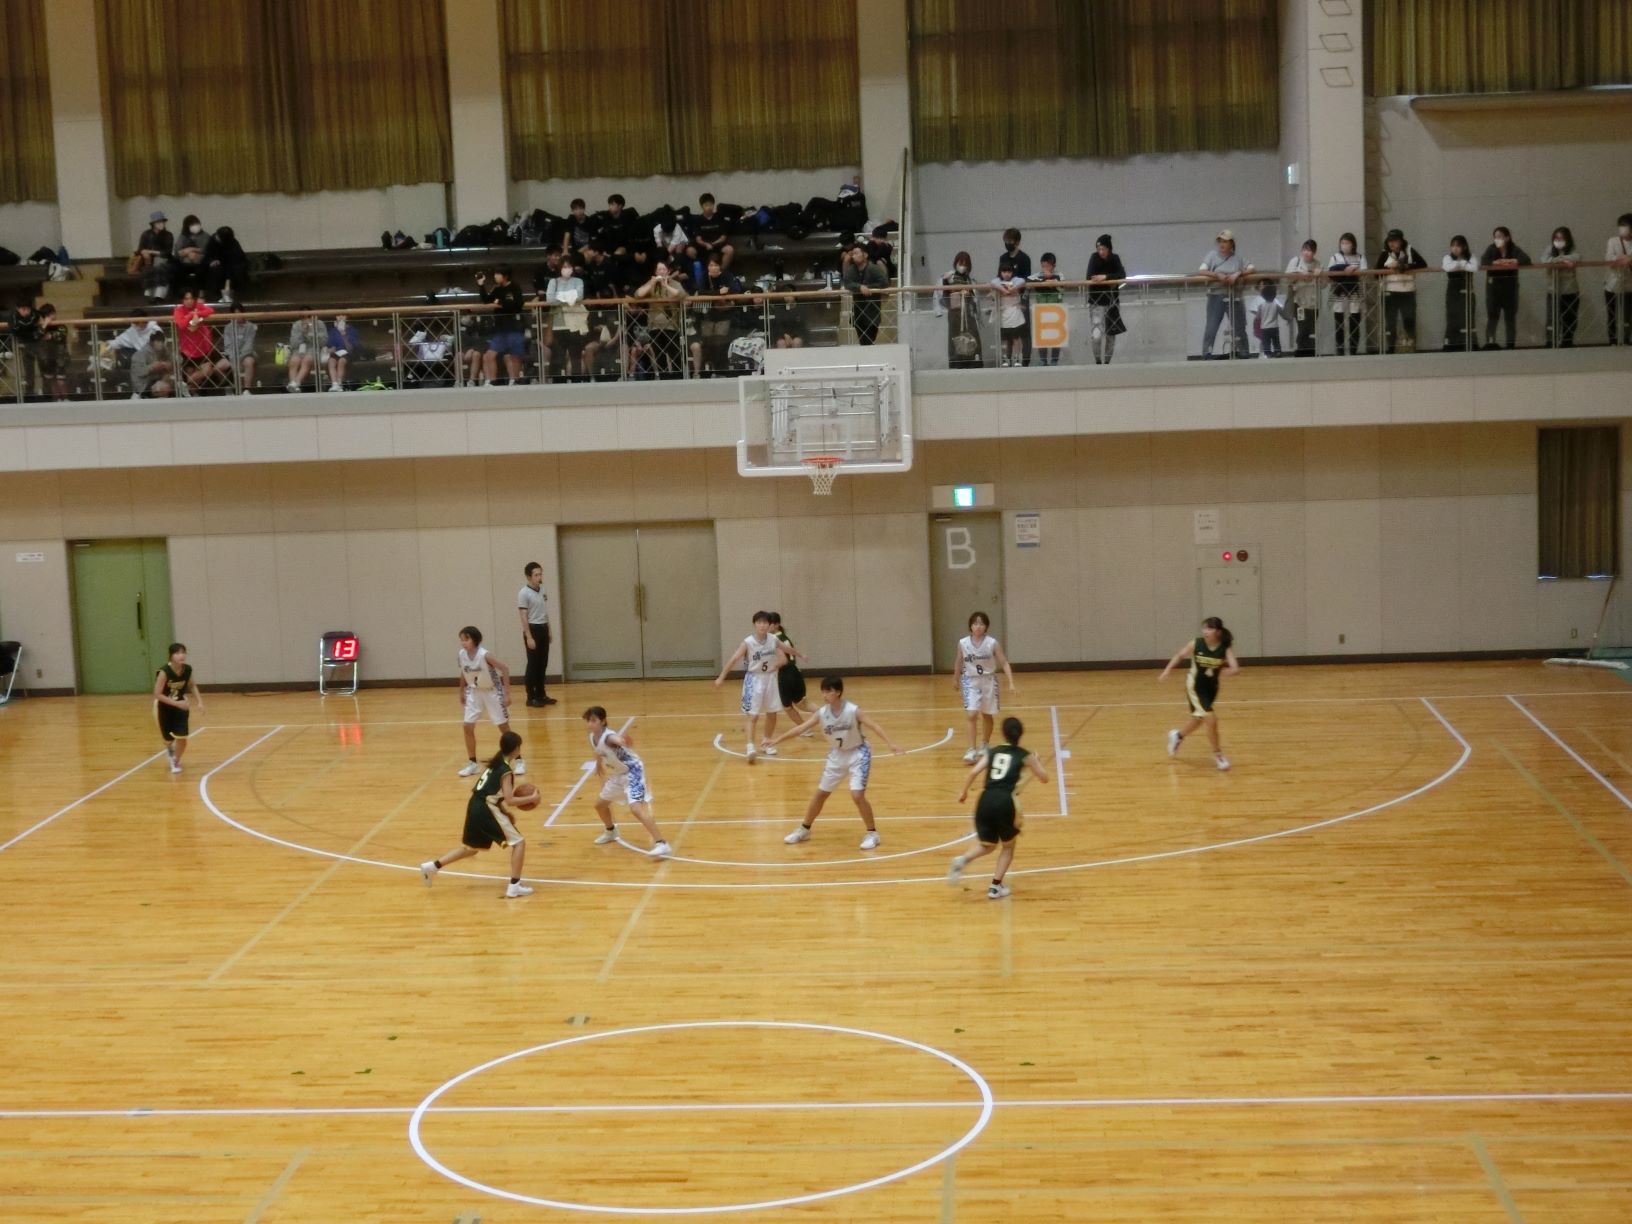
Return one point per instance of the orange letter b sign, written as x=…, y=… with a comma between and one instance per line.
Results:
x=1049, y=326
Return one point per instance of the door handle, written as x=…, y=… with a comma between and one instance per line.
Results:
x=643, y=603
x=640, y=612
x=141, y=627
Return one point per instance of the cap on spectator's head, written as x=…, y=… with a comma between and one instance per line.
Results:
x=1393, y=234
x=156, y=215
x=1225, y=235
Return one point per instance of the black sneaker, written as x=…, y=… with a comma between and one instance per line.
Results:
x=549, y=701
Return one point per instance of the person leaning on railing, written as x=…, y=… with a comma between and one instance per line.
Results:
x=1459, y=265
x=1402, y=262
x=956, y=300
x=509, y=337
x=1304, y=296
x=1225, y=267
x=1502, y=260
x=1564, y=293
x=863, y=279
x=1348, y=304
x=1618, y=281
x=570, y=322
x=24, y=326
x=1105, y=303
x=658, y=341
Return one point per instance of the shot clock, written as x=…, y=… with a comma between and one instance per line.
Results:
x=337, y=649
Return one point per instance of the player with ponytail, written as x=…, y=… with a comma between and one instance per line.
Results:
x=1211, y=655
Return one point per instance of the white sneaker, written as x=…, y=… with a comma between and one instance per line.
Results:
x=341, y=387
x=1222, y=761
x=607, y=837
x=953, y=874
x=662, y=850
x=970, y=757
x=768, y=749
x=292, y=388
x=519, y=768
x=800, y=834
x=752, y=753
x=1174, y=739
x=518, y=890
x=470, y=770
x=870, y=842
x=175, y=765
x=982, y=751
x=427, y=872
x=996, y=892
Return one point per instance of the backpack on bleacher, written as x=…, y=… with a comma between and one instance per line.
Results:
x=731, y=216
x=850, y=213
x=818, y=214
x=498, y=232
x=9, y=258
x=471, y=236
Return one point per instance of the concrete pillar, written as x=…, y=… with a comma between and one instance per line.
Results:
x=1323, y=123
x=84, y=178
x=886, y=102
x=481, y=179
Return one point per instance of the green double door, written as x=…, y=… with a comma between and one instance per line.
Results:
x=122, y=620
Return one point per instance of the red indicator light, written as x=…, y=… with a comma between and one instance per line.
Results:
x=1229, y=556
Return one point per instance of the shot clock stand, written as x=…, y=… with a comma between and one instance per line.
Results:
x=337, y=649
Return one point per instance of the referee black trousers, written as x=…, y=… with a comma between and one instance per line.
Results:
x=538, y=658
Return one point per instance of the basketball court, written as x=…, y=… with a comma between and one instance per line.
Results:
x=1376, y=972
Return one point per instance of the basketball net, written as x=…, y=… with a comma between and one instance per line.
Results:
x=824, y=470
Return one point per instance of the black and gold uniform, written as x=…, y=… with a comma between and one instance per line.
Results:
x=178, y=686
x=996, y=817
x=486, y=821
x=790, y=681
x=1201, y=686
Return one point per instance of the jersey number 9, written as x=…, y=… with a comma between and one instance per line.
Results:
x=1001, y=766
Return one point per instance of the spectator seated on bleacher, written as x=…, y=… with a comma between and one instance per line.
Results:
x=152, y=373
x=307, y=336
x=238, y=352
x=189, y=254
x=226, y=267
x=152, y=259
x=708, y=351
x=344, y=346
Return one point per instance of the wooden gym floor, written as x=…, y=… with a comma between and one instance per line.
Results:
x=1381, y=971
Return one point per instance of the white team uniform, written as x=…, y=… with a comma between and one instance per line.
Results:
x=625, y=772
x=979, y=679
x=850, y=752
x=484, y=687
x=760, y=694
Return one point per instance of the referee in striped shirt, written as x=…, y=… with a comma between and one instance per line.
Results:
x=533, y=608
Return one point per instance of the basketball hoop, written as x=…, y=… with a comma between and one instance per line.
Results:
x=824, y=470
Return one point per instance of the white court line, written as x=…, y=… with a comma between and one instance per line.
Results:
x=1174, y=1102
x=1579, y=759
x=589, y=768
x=35, y=828
x=1059, y=759
x=719, y=742
x=1621, y=690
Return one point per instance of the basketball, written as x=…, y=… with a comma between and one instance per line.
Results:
x=526, y=797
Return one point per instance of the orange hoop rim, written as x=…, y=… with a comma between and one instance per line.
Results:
x=823, y=462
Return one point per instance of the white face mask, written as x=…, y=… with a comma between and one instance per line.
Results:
x=197, y=229
x=1558, y=244
x=963, y=269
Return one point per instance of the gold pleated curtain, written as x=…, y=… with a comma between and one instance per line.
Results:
x=274, y=95
x=1494, y=46
x=1029, y=79
x=1578, y=501
x=679, y=86
x=28, y=164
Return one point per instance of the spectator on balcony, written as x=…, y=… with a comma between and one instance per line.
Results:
x=658, y=341
x=307, y=337
x=709, y=238
x=1618, y=281
x=154, y=250
x=226, y=266
x=117, y=353
x=1303, y=296
x=616, y=231
x=190, y=247
x=569, y=319
x=579, y=230
x=1225, y=267
x=24, y=325
x=1105, y=301
x=1459, y=265
x=787, y=321
x=1402, y=262
x=1038, y=291
x=1008, y=304
x=1502, y=260
x=709, y=351
x=52, y=351
x=597, y=273
x=671, y=239
x=152, y=372
x=1564, y=294
x=238, y=352
x=880, y=250
x=864, y=281
x=1267, y=314
x=1022, y=271
x=509, y=319
x=1347, y=300
x=342, y=346
x=195, y=338
x=956, y=299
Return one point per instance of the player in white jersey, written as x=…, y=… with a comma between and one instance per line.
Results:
x=979, y=658
x=623, y=777
x=843, y=723
x=484, y=685
x=762, y=656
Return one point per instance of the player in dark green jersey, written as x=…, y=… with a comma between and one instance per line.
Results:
x=486, y=819
x=997, y=820
x=1210, y=657
x=175, y=695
